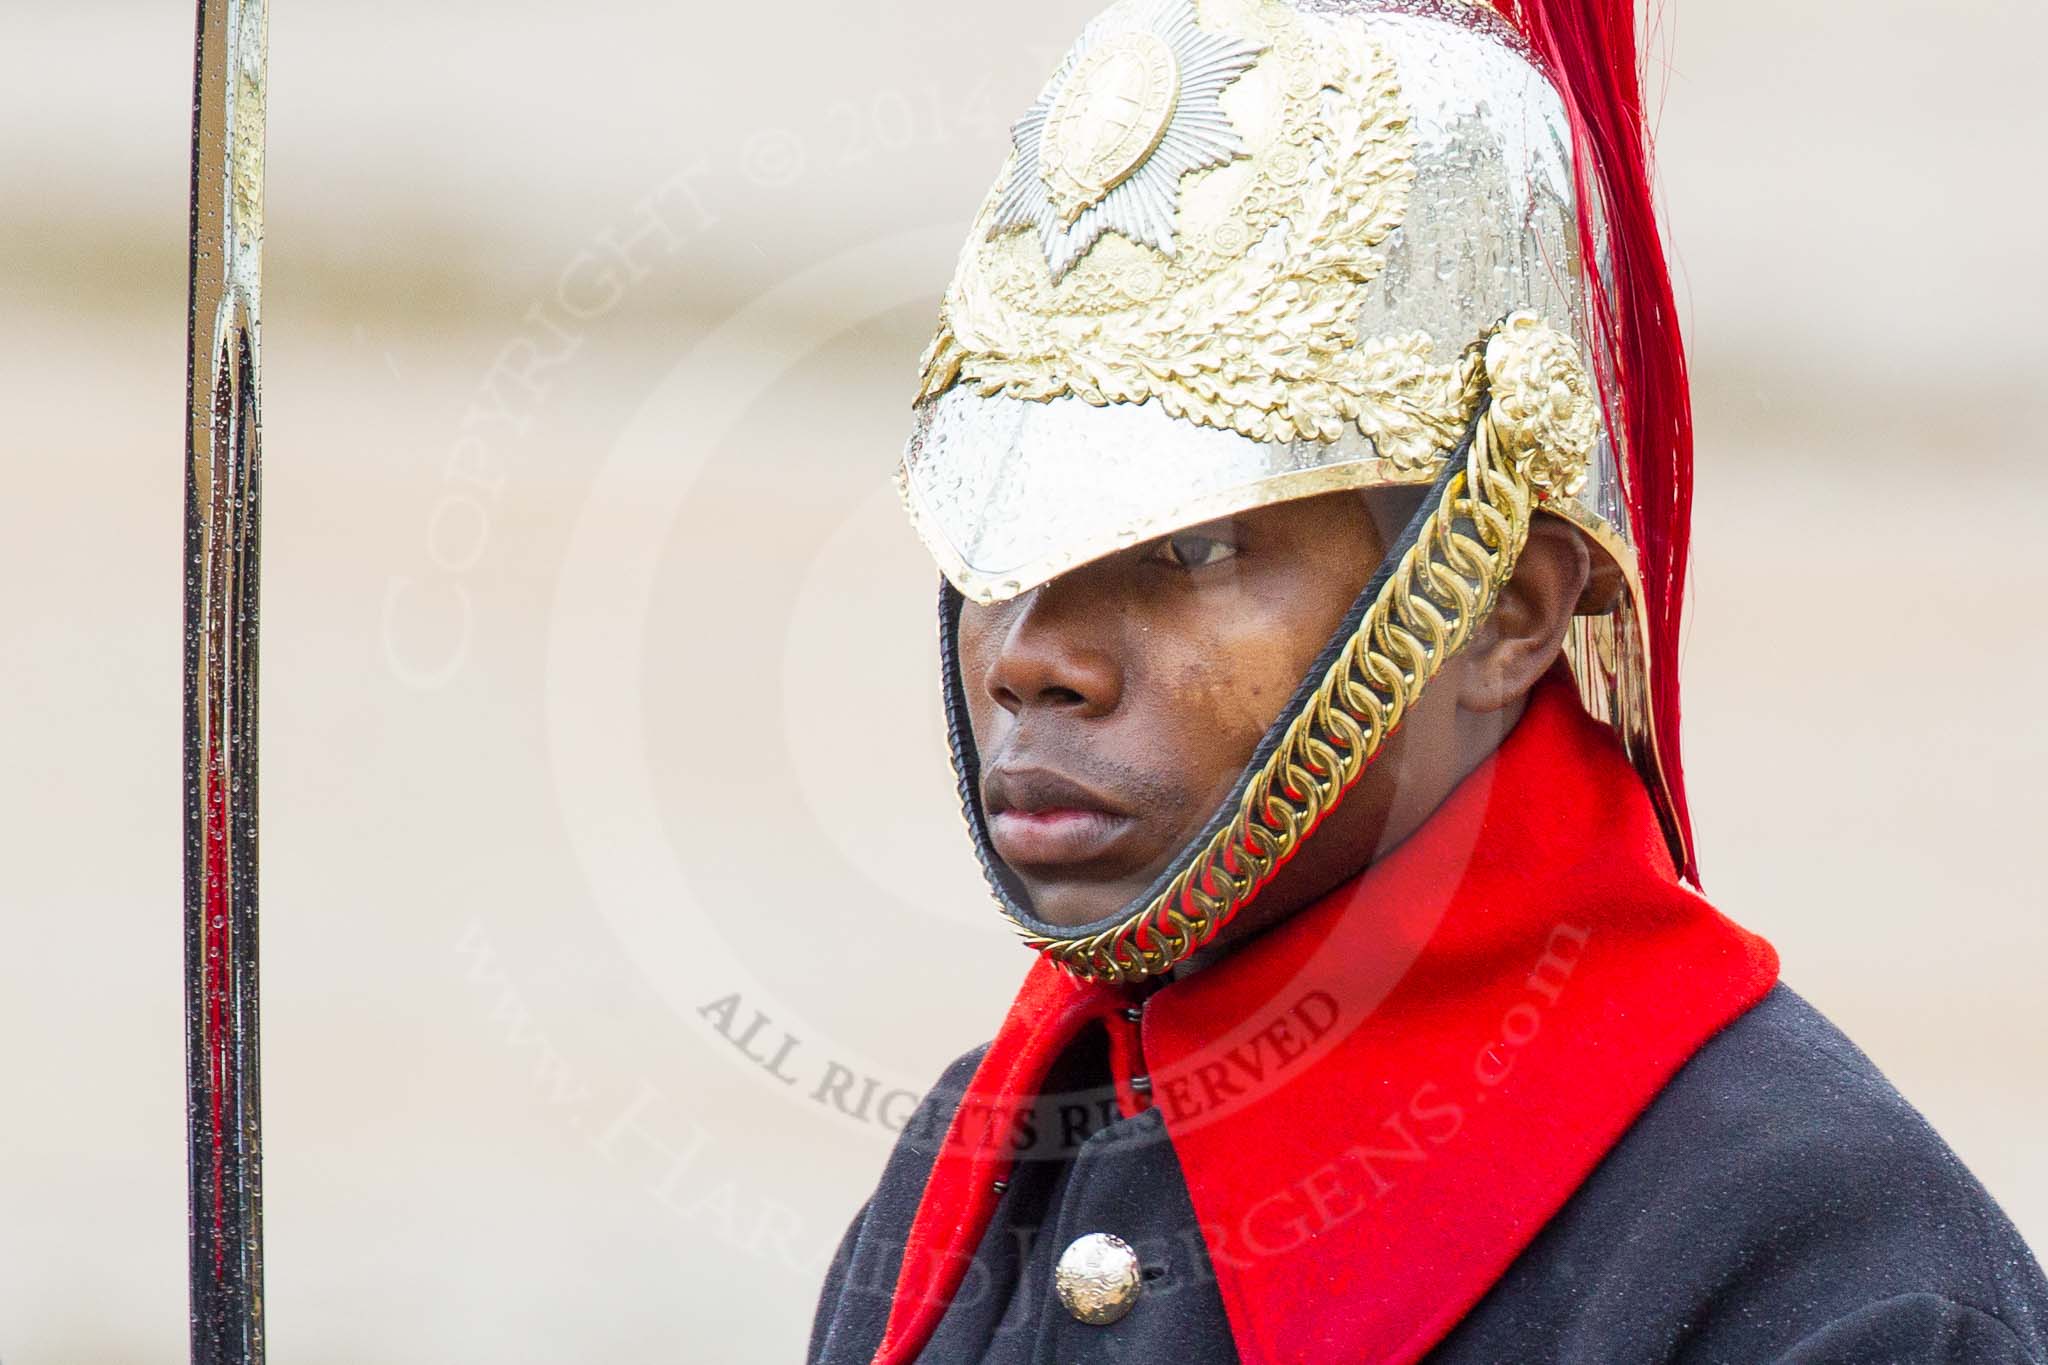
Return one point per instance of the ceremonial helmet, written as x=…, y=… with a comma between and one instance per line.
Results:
x=1247, y=251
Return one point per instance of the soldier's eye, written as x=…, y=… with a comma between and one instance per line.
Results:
x=1194, y=550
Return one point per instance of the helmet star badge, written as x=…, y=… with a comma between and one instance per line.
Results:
x=1134, y=108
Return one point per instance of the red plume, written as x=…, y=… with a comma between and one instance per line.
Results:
x=1589, y=47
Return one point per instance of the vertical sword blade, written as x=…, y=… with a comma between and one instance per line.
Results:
x=222, y=517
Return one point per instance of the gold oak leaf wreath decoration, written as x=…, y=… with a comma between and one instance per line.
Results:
x=1264, y=343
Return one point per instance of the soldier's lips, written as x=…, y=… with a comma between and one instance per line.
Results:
x=1055, y=837
x=1042, y=820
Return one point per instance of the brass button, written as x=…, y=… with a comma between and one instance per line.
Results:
x=1098, y=1278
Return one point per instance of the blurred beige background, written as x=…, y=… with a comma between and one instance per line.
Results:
x=598, y=677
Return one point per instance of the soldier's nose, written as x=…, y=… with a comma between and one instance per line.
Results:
x=1059, y=653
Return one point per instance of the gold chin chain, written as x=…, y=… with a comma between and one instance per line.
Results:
x=1533, y=440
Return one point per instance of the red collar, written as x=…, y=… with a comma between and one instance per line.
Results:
x=1378, y=1103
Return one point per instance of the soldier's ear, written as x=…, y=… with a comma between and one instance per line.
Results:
x=1525, y=635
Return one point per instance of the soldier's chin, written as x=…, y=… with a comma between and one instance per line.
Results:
x=1067, y=902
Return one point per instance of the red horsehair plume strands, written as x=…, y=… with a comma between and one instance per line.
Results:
x=1590, y=49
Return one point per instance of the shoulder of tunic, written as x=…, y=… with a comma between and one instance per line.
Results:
x=859, y=1284
x=1778, y=1189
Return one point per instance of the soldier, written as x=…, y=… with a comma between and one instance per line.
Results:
x=1306, y=449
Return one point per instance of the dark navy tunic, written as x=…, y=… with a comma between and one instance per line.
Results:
x=1777, y=1202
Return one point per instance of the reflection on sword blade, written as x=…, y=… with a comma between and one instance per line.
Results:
x=222, y=520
